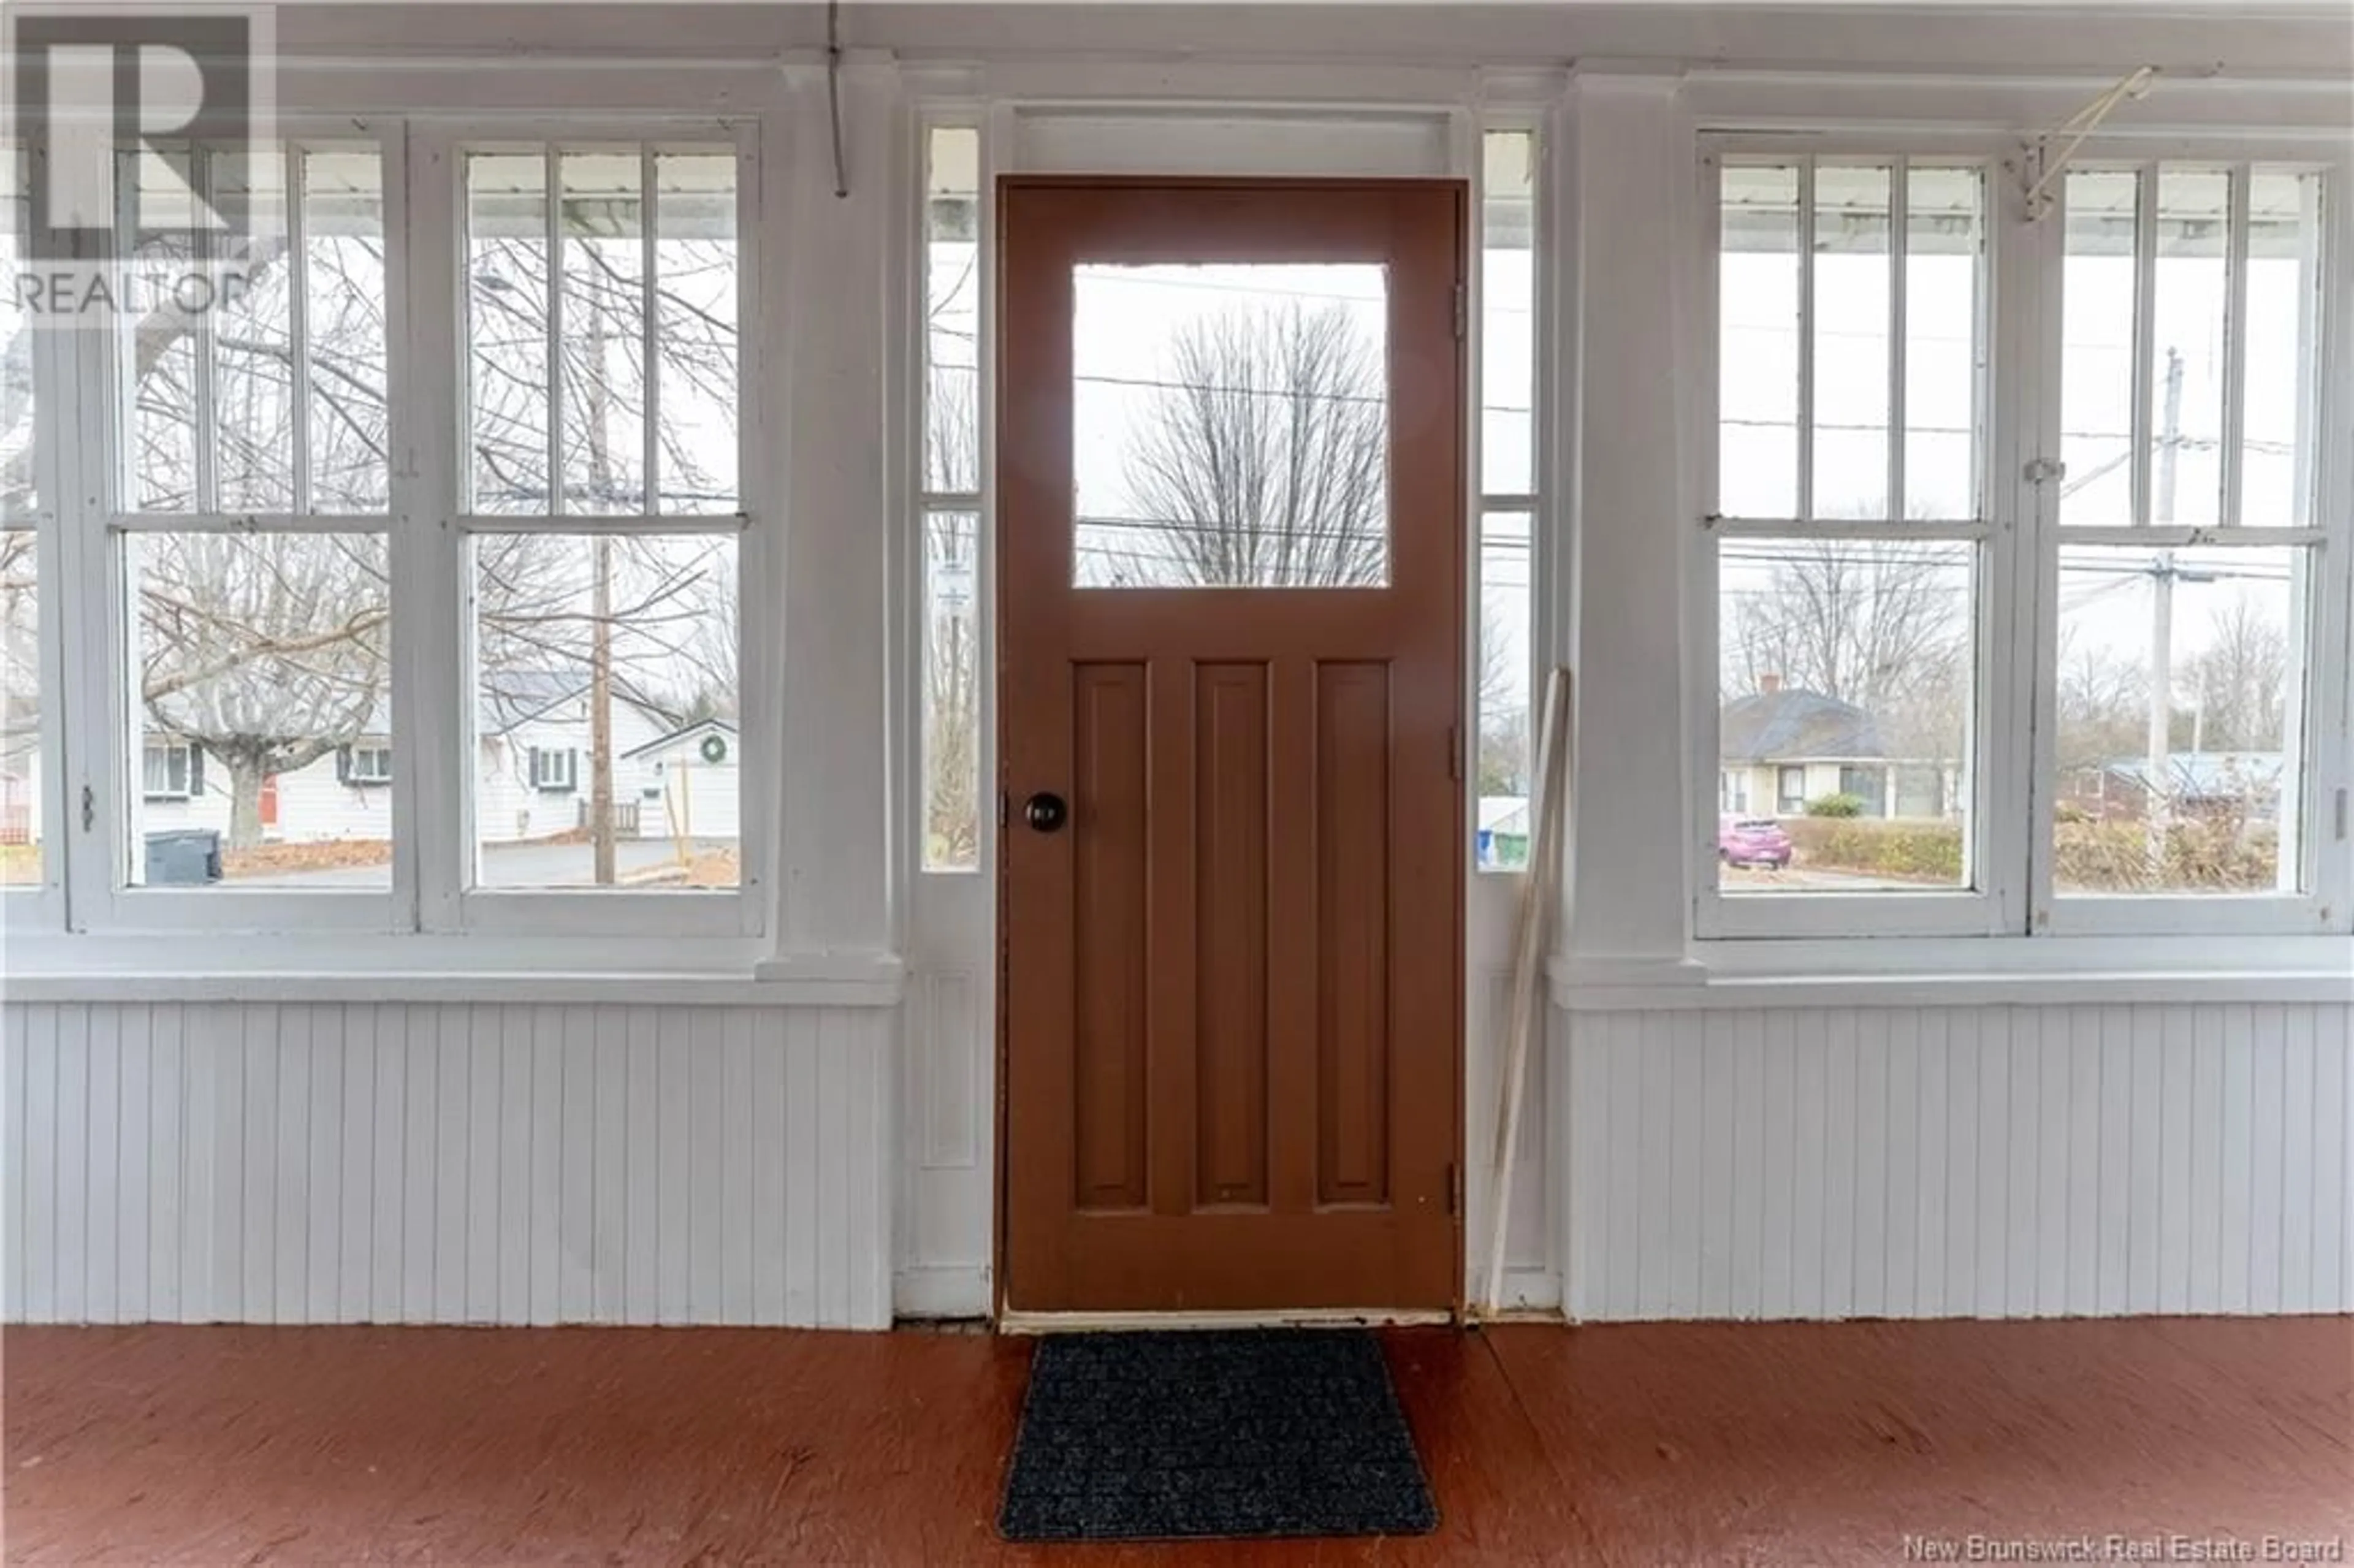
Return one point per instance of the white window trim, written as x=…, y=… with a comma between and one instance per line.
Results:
x=379, y=772
x=2011, y=855
x=84, y=627
x=1511, y=105
x=186, y=792
x=2327, y=741
x=443, y=666
x=103, y=730
x=911, y=470
x=1993, y=903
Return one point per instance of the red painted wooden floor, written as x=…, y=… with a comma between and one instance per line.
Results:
x=1638, y=1445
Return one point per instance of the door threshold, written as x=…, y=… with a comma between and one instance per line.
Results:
x=1012, y=1322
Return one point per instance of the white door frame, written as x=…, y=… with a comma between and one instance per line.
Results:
x=1154, y=120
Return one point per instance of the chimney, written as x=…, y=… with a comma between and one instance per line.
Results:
x=1769, y=684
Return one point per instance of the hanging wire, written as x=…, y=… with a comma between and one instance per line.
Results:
x=834, y=92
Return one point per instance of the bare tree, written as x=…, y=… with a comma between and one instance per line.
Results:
x=269, y=652
x=951, y=697
x=1875, y=625
x=1266, y=463
x=2104, y=707
x=268, y=649
x=20, y=647
x=2239, y=683
x=1503, y=721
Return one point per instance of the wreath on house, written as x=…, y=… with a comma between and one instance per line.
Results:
x=714, y=748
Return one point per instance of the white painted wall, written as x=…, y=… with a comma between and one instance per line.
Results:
x=2001, y=1162
x=470, y=1163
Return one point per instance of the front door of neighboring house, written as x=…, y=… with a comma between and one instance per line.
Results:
x=1230, y=498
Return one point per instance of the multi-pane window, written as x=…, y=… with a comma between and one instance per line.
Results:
x=1849, y=530
x=2189, y=542
x=2170, y=433
x=949, y=507
x=252, y=484
x=602, y=290
x=1507, y=492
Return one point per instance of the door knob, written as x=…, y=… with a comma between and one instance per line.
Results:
x=1045, y=812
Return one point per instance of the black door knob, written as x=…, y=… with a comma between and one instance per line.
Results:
x=1045, y=812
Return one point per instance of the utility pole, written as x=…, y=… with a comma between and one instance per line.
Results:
x=2159, y=798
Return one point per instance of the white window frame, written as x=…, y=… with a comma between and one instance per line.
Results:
x=924, y=502
x=379, y=772
x=2016, y=783
x=1511, y=115
x=87, y=621
x=1995, y=901
x=2327, y=727
x=188, y=753
x=104, y=727
x=445, y=678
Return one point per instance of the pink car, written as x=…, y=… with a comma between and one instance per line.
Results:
x=1752, y=841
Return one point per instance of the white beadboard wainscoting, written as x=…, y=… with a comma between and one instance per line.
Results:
x=2026, y=1160
x=447, y=1163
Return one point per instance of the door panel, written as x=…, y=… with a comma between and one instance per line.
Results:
x=1230, y=501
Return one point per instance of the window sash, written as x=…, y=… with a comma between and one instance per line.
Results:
x=167, y=768
x=2018, y=783
x=431, y=834
x=1523, y=512
x=1991, y=902
x=2316, y=723
x=552, y=142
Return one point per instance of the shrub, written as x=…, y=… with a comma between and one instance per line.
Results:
x=2214, y=856
x=1835, y=806
x=1907, y=850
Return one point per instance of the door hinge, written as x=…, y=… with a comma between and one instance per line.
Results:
x=2341, y=816
x=1455, y=753
x=1462, y=311
x=1454, y=1187
x=89, y=808
x=1003, y=810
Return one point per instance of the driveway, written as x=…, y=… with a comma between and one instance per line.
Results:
x=508, y=865
x=1808, y=879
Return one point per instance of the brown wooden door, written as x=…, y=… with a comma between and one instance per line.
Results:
x=1230, y=485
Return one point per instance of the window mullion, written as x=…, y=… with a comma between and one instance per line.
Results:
x=2144, y=338
x=2235, y=346
x=648, y=217
x=1806, y=442
x=298, y=300
x=208, y=257
x=432, y=650
x=1899, y=205
x=553, y=180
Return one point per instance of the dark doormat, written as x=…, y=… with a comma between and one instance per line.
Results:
x=1169, y=1437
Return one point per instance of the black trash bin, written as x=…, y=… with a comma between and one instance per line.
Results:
x=184, y=857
